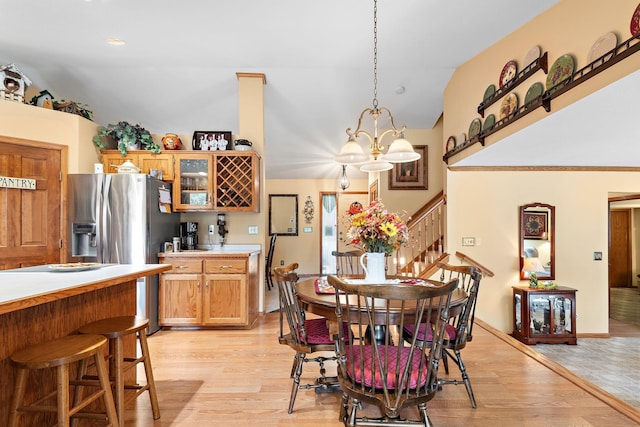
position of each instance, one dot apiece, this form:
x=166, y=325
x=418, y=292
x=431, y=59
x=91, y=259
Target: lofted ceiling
x=177, y=70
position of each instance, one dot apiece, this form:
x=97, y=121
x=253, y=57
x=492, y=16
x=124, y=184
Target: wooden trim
x=253, y=75
x=593, y=335
x=473, y=262
x=624, y=198
x=617, y=404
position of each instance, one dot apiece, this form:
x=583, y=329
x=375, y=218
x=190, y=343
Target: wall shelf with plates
x=539, y=63
x=599, y=64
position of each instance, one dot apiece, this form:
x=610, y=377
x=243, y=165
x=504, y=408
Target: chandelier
x=399, y=151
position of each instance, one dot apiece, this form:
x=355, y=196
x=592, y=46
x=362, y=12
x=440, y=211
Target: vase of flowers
x=377, y=232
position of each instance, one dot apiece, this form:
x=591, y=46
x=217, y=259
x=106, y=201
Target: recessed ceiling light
x=115, y=42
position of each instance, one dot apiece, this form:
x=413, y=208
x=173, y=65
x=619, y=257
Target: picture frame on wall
x=535, y=225
x=211, y=140
x=410, y=175
x=373, y=191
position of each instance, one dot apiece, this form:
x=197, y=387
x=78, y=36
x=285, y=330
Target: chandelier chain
x=375, y=54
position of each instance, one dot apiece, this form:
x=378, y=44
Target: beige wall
x=484, y=204
x=305, y=247
x=39, y=124
x=412, y=200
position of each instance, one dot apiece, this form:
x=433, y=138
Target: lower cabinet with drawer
x=209, y=291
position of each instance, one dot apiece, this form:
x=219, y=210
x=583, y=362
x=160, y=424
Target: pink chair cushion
x=318, y=331
x=449, y=329
x=353, y=359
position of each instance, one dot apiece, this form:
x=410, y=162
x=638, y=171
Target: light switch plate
x=468, y=241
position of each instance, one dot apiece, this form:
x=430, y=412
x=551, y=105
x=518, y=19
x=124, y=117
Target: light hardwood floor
x=241, y=378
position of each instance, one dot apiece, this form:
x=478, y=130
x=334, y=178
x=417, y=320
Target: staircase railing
x=427, y=231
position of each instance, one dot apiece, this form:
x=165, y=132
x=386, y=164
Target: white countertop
x=24, y=284
x=222, y=250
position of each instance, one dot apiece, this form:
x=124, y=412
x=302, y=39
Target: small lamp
x=343, y=179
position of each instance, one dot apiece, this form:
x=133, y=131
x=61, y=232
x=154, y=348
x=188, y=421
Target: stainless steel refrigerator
x=118, y=219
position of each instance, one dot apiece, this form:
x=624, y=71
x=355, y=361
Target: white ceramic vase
x=374, y=267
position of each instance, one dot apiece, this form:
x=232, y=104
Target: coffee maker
x=188, y=235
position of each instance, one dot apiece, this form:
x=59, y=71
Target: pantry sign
x=19, y=183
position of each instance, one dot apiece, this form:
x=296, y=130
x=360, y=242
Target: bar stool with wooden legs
x=61, y=353
x=115, y=329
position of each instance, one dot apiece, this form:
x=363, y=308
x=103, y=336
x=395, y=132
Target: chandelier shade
x=399, y=151
x=351, y=153
x=376, y=165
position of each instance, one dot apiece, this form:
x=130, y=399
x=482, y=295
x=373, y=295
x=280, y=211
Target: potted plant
x=128, y=137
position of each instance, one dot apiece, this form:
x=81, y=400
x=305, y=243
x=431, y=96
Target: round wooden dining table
x=324, y=304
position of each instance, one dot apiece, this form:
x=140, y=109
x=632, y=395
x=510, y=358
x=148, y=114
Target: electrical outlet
x=253, y=229
x=211, y=229
x=597, y=256
x=281, y=262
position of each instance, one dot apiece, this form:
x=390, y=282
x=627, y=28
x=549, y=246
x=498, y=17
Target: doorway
x=620, y=266
x=334, y=207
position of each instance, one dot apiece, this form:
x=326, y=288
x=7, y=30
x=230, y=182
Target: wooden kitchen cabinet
x=220, y=181
x=544, y=315
x=205, y=290
x=145, y=160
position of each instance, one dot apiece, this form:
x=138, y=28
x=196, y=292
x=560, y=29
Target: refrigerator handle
x=98, y=216
x=105, y=219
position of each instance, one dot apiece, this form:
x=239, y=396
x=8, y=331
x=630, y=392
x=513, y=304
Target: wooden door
x=180, y=299
x=619, y=248
x=225, y=300
x=30, y=232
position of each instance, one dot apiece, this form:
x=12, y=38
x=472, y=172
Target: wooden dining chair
x=460, y=325
x=381, y=379
x=305, y=336
x=348, y=262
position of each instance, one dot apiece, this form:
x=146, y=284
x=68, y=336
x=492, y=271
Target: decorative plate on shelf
x=475, y=127
x=561, y=70
x=451, y=143
x=509, y=72
x=509, y=105
x=634, y=27
x=491, y=90
x=532, y=55
x=489, y=122
x=604, y=44
x=535, y=91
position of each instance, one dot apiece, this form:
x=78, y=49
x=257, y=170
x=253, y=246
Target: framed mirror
x=283, y=214
x=537, y=241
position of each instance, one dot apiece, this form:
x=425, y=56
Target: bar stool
x=115, y=329
x=61, y=353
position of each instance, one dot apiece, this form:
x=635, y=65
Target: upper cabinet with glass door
x=223, y=181
x=192, y=189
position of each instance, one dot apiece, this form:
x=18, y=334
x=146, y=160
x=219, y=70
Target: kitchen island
x=42, y=303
